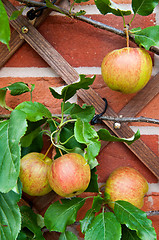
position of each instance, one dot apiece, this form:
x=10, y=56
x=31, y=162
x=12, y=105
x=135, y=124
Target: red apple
x=127, y=70
x=33, y=174
x=126, y=184
x=69, y=175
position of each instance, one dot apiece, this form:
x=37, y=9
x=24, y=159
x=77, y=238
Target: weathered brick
x=116, y=154
x=79, y=43
x=41, y=92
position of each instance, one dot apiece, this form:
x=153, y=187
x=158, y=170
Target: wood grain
x=69, y=75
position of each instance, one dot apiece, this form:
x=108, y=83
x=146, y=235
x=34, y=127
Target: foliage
x=70, y=133
x=23, y=133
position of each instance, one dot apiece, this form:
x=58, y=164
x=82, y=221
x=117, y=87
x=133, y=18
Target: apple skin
x=126, y=184
x=33, y=174
x=69, y=175
x=127, y=70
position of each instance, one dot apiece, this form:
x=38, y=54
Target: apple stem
x=126, y=29
x=60, y=152
x=48, y=151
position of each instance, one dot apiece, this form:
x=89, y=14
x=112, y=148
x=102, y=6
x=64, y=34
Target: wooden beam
x=69, y=75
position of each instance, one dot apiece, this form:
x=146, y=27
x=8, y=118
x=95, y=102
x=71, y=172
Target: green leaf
x=85, y=133
x=104, y=226
x=59, y=215
x=16, y=14
x=147, y=37
x=90, y=214
x=30, y=220
x=85, y=113
x=67, y=137
x=80, y=13
x=70, y=90
x=129, y=234
x=144, y=7
x=106, y=136
x=33, y=131
x=68, y=236
x=34, y=111
x=135, y=219
x=5, y=28
x=36, y=145
x=108, y=6
x=10, y=217
x=10, y=133
x=93, y=185
x=15, y=89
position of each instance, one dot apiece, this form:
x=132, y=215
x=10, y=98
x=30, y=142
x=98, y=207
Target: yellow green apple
x=126, y=184
x=33, y=174
x=127, y=70
x=69, y=175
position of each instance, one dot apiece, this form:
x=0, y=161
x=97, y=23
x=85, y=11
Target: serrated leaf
x=70, y=90
x=85, y=113
x=68, y=236
x=104, y=226
x=144, y=7
x=59, y=215
x=147, y=37
x=129, y=234
x=90, y=214
x=10, y=133
x=30, y=221
x=34, y=111
x=10, y=217
x=85, y=133
x=105, y=135
x=5, y=29
x=15, y=89
x=134, y=219
x=93, y=185
x=108, y=6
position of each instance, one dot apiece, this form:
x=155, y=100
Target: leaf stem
x=47, y=151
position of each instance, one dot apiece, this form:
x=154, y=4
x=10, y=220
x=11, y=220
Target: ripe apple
x=126, y=184
x=33, y=174
x=127, y=70
x=69, y=175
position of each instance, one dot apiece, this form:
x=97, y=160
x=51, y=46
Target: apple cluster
x=68, y=175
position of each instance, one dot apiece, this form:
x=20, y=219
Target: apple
x=69, y=175
x=127, y=70
x=126, y=184
x=33, y=174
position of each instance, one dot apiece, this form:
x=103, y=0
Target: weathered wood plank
x=16, y=41
x=69, y=75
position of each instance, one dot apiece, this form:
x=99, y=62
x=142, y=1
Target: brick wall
x=84, y=47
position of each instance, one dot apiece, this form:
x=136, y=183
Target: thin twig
x=130, y=119
x=107, y=118
x=87, y=20
x=152, y=213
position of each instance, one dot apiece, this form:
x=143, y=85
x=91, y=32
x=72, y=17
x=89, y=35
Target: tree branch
x=87, y=20
x=130, y=119
x=106, y=118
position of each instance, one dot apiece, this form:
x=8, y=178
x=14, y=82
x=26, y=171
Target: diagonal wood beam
x=69, y=75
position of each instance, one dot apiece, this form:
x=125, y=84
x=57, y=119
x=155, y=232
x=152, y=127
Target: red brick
x=41, y=92
x=155, y=223
x=79, y=43
x=115, y=155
